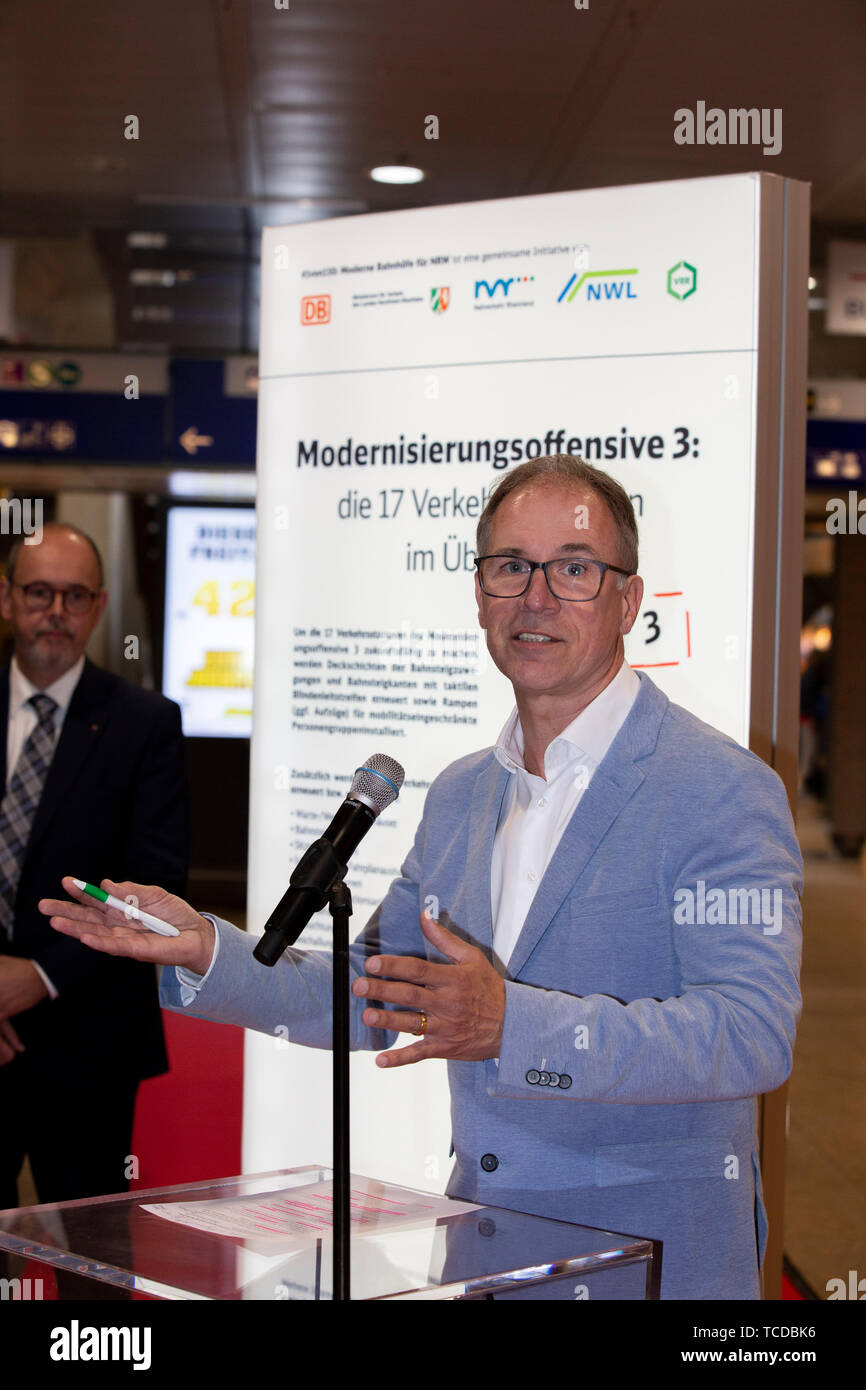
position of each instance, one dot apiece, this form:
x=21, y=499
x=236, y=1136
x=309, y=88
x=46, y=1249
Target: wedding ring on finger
x=422, y=1026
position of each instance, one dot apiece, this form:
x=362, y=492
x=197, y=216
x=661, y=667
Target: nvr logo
x=601, y=284
x=504, y=285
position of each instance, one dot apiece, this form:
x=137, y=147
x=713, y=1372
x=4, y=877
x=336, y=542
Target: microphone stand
x=319, y=868
x=340, y=907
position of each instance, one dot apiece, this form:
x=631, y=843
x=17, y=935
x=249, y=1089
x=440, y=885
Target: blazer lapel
x=613, y=784
x=84, y=722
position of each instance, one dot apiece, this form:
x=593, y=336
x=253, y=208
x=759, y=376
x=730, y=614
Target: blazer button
x=489, y=1162
x=486, y=1227
x=532, y=1077
x=564, y=1081
x=544, y=1078
x=554, y=1079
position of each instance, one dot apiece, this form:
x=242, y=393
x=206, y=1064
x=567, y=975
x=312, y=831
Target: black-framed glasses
x=38, y=597
x=576, y=580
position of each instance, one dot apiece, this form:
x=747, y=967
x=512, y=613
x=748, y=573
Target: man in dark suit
x=93, y=782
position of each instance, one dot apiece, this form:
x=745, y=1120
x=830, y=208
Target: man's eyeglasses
x=575, y=580
x=76, y=599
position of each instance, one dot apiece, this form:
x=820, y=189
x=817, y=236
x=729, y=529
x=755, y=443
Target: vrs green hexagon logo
x=682, y=280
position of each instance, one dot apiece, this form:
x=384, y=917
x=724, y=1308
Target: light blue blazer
x=651, y=997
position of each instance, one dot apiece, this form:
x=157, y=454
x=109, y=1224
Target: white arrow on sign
x=192, y=441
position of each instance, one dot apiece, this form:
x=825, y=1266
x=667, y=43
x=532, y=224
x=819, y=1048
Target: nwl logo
x=600, y=284
x=612, y=290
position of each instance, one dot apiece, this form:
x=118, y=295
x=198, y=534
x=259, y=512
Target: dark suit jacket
x=114, y=805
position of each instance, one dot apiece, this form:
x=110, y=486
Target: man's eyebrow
x=570, y=548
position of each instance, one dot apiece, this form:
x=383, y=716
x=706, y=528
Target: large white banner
x=407, y=359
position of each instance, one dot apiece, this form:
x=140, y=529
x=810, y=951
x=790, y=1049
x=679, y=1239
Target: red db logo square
x=315, y=308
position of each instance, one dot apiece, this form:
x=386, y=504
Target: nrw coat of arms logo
x=440, y=298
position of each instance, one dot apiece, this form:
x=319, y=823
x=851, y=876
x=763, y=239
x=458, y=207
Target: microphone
x=374, y=786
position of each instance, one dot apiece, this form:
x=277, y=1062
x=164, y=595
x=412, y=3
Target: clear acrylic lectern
x=419, y=1250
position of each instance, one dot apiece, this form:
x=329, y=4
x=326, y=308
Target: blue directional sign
x=95, y=407
x=110, y=407
x=83, y=426
x=206, y=423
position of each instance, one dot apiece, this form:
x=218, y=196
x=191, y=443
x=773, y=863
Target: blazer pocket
x=612, y=904
x=661, y=1161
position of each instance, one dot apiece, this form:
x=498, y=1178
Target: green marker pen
x=128, y=909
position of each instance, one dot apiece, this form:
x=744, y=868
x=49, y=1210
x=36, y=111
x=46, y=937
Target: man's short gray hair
x=567, y=468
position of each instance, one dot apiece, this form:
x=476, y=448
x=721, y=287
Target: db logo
x=315, y=308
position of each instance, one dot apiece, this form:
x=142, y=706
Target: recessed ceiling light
x=396, y=173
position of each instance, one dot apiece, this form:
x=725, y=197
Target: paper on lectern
x=290, y=1218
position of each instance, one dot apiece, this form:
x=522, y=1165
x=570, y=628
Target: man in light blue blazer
x=613, y=969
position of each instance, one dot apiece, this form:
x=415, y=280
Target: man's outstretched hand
x=464, y=1002
x=109, y=930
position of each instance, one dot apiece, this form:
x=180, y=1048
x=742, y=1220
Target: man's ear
x=632, y=596
x=5, y=598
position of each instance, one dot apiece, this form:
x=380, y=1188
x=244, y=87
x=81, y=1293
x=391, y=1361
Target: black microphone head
x=377, y=783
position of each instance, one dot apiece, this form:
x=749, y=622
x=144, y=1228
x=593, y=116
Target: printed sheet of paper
x=296, y=1216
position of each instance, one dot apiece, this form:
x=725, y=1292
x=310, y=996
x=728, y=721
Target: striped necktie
x=18, y=807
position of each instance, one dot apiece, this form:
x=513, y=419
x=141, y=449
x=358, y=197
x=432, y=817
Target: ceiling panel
x=252, y=115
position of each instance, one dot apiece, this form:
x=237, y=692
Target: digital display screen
x=209, y=618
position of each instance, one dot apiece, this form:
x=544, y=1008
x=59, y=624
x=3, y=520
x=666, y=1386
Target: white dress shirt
x=535, y=811
x=23, y=720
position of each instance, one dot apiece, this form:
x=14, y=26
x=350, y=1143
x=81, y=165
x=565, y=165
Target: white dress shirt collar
x=21, y=688
x=591, y=732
